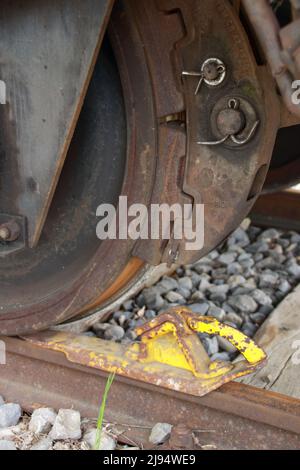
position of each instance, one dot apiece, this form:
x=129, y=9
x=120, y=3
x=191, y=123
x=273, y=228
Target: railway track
x=236, y=416
x=136, y=98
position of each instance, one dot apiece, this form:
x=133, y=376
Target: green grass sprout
x=102, y=411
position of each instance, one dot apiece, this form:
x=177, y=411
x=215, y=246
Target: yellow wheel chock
x=169, y=353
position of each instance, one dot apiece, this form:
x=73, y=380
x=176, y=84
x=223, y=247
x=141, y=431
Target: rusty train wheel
x=112, y=153
x=133, y=138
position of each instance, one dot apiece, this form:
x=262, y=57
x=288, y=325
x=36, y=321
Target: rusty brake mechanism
x=219, y=119
x=169, y=353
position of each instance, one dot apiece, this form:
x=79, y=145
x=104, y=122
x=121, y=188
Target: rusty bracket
x=217, y=183
x=169, y=353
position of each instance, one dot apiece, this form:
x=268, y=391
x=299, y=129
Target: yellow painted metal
x=175, y=344
x=179, y=326
x=246, y=346
x=169, y=353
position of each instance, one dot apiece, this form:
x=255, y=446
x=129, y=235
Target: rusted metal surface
x=281, y=47
x=169, y=353
x=279, y=210
x=236, y=416
x=49, y=51
x=181, y=438
x=230, y=121
x=114, y=358
x=224, y=179
x=182, y=325
x=78, y=289
x=213, y=175
x=153, y=43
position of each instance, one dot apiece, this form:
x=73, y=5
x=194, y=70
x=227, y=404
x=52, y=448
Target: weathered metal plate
x=116, y=358
x=48, y=50
x=32, y=278
x=87, y=270
x=225, y=179
x=151, y=42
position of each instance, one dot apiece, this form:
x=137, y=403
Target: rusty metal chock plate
x=169, y=353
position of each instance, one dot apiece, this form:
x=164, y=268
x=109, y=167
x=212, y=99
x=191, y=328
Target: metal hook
x=195, y=74
x=234, y=138
x=233, y=103
x=217, y=142
x=244, y=141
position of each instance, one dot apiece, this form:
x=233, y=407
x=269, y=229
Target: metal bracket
x=226, y=179
x=169, y=354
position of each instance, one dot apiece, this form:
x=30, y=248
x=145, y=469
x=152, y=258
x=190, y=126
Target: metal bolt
x=10, y=231
x=213, y=73
x=230, y=122
x=181, y=437
x=4, y=233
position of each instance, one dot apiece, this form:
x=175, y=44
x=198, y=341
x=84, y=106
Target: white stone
x=66, y=426
x=10, y=433
x=7, y=445
x=9, y=415
x=106, y=441
x=160, y=433
x=43, y=444
x=42, y=420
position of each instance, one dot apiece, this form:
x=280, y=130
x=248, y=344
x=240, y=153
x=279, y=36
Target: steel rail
x=234, y=417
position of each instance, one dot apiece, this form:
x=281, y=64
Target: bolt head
x=211, y=71
x=4, y=233
x=10, y=231
x=230, y=122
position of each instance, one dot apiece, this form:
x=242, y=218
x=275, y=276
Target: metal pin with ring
x=231, y=122
x=213, y=73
